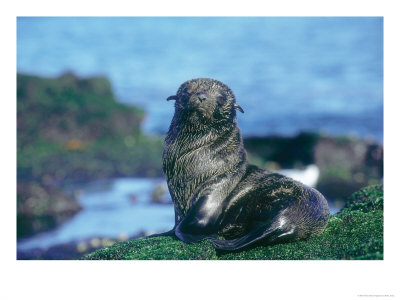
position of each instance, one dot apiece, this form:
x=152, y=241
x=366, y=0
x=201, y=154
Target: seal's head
x=206, y=100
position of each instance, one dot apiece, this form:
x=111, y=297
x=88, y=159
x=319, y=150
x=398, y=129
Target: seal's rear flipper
x=268, y=235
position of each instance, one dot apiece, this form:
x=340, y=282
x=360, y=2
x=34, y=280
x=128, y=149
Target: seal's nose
x=201, y=97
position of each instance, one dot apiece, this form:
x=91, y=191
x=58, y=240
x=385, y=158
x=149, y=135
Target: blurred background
x=91, y=114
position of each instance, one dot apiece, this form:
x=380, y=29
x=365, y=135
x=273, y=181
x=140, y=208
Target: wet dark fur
x=216, y=192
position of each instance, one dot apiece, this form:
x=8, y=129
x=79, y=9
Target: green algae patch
x=356, y=233
x=160, y=248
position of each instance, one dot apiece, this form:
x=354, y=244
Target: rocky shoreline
x=345, y=164
x=356, y=232
x=73, y=250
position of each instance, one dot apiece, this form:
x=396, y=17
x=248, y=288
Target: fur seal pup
x=216, y=192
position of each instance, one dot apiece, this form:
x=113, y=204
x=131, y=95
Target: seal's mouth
x=201, y=109
x=196, y=110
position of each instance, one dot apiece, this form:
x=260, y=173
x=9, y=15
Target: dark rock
x=346, y=164
x=132, y=198
x=288, y=152
x=40, y=208
x=160, y=195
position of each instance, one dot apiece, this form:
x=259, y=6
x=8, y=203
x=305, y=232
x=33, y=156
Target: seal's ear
x=174, y=97
x=237, y=106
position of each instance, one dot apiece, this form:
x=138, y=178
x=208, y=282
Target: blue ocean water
x=289, y=74
x=109, y=212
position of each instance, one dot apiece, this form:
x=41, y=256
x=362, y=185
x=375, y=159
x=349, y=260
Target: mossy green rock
x=356, y=232
x=73, y=129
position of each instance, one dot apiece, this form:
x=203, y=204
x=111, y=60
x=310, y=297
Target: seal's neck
x=191, y=135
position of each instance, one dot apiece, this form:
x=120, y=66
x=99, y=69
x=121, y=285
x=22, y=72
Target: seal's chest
x=186, y=174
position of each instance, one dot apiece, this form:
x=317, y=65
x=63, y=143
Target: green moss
x=72, y=128
x=354, y=233
x=370, y=197
x=166, y=248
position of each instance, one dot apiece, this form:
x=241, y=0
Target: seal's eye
x=221, y=100
x=185, y=95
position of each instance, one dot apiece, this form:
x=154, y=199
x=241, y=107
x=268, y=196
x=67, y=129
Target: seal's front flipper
x=167, y=233
x=193, y=238
x=268, y=235
x=199, y=223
